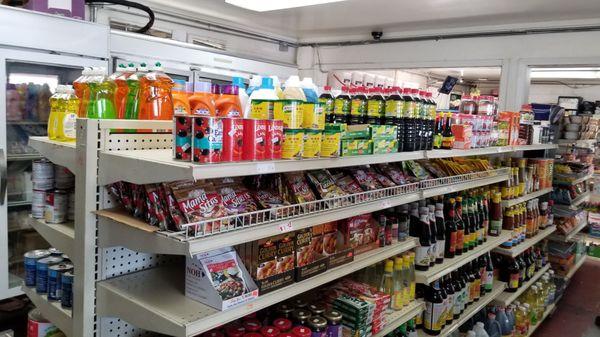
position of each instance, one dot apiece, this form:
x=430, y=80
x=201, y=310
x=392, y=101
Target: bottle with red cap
x=394, y=111
x=301, y=331
x=326, y=100
x=341, y=106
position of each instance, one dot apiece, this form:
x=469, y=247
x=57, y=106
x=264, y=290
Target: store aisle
x=579, y=306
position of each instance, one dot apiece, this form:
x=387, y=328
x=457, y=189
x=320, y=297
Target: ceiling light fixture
x=273, y=5
x=566, y=74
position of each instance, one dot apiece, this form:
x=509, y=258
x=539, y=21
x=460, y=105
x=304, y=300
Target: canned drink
x=274, y=138
x=63, y=178
x=290, y=112
x=312, y=143
x=66, y=258
x=255, y=132
x=208, y=139
x=182, y=135
x=55, y=252
x=30, y=260
x=233, y=139
x=42, y=174
x=67, y=290
x=57, y=203
x=55, y=280
x=71, y=207
x=38, y=204
x=293, y=142
x=38, y=326
x=41, y=272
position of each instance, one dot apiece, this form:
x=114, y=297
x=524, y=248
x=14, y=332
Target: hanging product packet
x=199, y=201
x=324, y=184
x=299, y=188
x=365, y=179
x=237, y=199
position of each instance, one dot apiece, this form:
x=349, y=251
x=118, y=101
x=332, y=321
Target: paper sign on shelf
x=285, y=227
x=265, y=167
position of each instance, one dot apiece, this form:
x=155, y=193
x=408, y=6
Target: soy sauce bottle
x=434, y=307
x=418, y=113
x=375, y=107
x=439, y=127
x=460, y=226
x=431, y=118
x=409, y=118
x=427, y=132
x=394, y=111
x=341, y=106
x=326, y=100
x=358, y=105
x=450, y=224
x=422, y=251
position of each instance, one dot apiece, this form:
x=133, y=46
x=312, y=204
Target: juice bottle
x=82, y=91
x=155, y=93
x=56, y=105
x=242, y=95
x=202, y=101
x=67, y=116
x=120, y=79
x=132, y=104
x=181, y=102
x=102, y=97
x=228, y=104
x=326, y=100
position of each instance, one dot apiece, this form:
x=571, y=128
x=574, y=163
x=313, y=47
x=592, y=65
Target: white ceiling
x=468, y=74
x=357, y=18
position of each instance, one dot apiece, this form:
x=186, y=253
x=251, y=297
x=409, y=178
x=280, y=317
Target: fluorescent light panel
x=566, y=74
x=273, y=5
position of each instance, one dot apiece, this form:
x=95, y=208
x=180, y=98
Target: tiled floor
x=577, y=310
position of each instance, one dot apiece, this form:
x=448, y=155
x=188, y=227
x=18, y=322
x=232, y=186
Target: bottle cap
x=327, y=88
x=120, y=67
x=142, y=67
x=229, y=90
x=157, y=67
x=202, y=87
x=267, y=83
x=238, y=82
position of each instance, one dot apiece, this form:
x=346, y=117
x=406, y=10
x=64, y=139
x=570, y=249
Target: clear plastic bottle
x=397, y=300
x=540, y=300
x=120, y=79
x=521, y=322
x=67, y=116
x=505, y=327
x=102, y=96
x=132, y=103
x=82, y=91
x=387, y=279
x=155, y=93
x=56, y=106
x=492, y=326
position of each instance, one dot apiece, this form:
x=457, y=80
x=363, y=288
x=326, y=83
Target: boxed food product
x=356, y=147
x=357, y=131
x=462, y=136
x=385, y=145
x=359, y=232
x=218, y=279
x=310, y=260
x=384, y=131
x=331, y=143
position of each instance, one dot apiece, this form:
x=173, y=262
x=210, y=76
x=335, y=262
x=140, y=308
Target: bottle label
x=531, y=270
x=422, y=256
x=457, y=303
x=432, y=250
x=433, y=316
x=341, y=106
x=439, y=249
x=258, y=110
x=447, y=142
x=357, y=107
x=374, y=108
x=397, y=299
x=460, y=234
x=513, y=282
x=495, y=227
x=68, y=122
x=476, y=288
x=452, y=243
x=327, y=104
x=393, y=108
x=489, y=280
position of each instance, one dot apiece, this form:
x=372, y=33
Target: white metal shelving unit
x=576, y=267
x=523, y=246
x=60, y=236
x=571, y=234
x=53, y=311
x=397, y=318
x=529, y=196
x=60, y=153
x=583, y=197
x=505, y=298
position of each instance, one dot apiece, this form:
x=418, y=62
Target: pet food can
x=233, y=139
x=208, y=139
x=66, y=283
x=293, y=141
x=312, y=143
x=255, y=132
x=274, y=137
x=289, y=112
x=63, y=178
x=55, y=252
x=55, y=280
x=30, y=259
x=57, y=203
x=182, y=136
x=38, y=204
x=42, y=175
x=41, y=272
x=38, y=326
x=66, y=258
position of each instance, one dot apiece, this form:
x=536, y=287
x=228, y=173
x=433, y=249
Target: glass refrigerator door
x=29, y=81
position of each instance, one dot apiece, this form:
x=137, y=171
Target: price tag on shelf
x=285, y=227
x=386, y=204
x=265, y=167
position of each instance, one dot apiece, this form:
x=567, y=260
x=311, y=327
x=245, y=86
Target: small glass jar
x=283, y=324
x=318, y=326
x=299, y=303
x=301, y=316
x=285, y=310
x=235, y=330
x=301, y=331
x=252, y=325
x=269, y=331
x=334, y=320
x=317, y=309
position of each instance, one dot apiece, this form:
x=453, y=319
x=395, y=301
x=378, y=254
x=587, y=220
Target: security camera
x=376, y=35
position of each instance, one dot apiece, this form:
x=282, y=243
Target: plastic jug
x=479, y=330
x=242, y=95
x=82, y=91
x=492, y=326
x=228, y=103
x=310, y=90
x=156, y=100
x=261, y=100
x=255, y=83
x=505, y=327
x=102, y=99
x=67, y=116
x=471, y=333
x=132, y=105
x=56, y=105
x=277, y=86
x=120, y=79
x=181, y=101
x=293, y=89
x=202, y=101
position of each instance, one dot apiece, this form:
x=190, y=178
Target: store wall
x=513, y=53
x=548, y=93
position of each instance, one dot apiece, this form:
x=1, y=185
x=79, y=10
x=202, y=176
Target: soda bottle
x=102, y=96
x=82, y=91
x=120, y=79
x=155, y=95
x=68, y=116
x=56, y=106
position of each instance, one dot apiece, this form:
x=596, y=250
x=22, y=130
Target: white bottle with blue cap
x=243, y=96
x=262, y=99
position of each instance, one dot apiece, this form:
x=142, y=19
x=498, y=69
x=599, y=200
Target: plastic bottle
x=480, y=330
x=387, y=279
x=255, y=82
x=181, y=101
x=540, y=302
x=397, y=299
x=82, y=91
x=120, y=79
x=277, y=86
x=358, y=106
x=228, y=103
x=202, y=101
x=521, y=322
x=505, y=327
x=92, y=83
x=341, y=106
x=56, y=106
x=242, y=95
x=132, y=103
x=492, y=326
x=510, y=314
x=155, y=95
x=293, y=89
x=375, y=106
x=102, y=97
x=262, y=100
x=326, y=100
x=67, y=116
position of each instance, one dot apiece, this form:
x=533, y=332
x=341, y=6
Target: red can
x=301, y=331
x=235, y=330
x=255, y=132
x=182, y=135
x=208, y=139
x=269, y=331
x=233, y=139
x=283, y=324
x=252, y=325
x=274, y=139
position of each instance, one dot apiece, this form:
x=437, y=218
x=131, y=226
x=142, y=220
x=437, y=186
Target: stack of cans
x=52, y=192
x=50, y=272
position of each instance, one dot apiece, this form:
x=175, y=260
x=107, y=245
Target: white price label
x=265, y=167
x=386, y=204
x=285, y=227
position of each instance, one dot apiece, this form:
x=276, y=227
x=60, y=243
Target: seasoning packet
x=175, y=213
x=324, y=184
x=225, y=275
x=299, y=188
x=157, y=212
x=200, y=201
x=364, y=178
x=393, y=172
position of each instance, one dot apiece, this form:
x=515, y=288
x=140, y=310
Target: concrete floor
x=577, y=310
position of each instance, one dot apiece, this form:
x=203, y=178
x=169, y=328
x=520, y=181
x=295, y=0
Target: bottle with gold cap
x=397, y=300
x=387, y=279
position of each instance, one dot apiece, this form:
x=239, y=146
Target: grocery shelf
x=535, y=147
x=576, y=267
x=60, y=236
x=583, y=143
x=26, y=122
x=578, y=200
x=154, y=299
x=470, y=311
x=60, y=153
x=529, y=196
x=397, y=318
x=506, y=298
x=52, y=311
x=454, y=263
x=549, y=310
x=451, y=188
x=23, y=157
x=19, y=203
x=571, y=234
x=576, y=181
x=523, y=246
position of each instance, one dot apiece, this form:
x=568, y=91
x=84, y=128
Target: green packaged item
x=336, y=127
x=384, y=131
x=384, y=145
x=358, y=131
x=356, y=147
